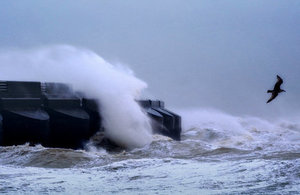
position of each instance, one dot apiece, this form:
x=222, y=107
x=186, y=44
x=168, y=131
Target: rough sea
x=218, y=154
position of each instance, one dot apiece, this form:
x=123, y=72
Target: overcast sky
x=215, y=53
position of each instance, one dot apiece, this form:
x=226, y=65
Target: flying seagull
x=276, y=89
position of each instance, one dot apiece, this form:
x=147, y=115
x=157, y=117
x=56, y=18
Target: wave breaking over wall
x=114, y=86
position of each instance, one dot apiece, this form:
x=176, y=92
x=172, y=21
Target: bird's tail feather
x=270, y=91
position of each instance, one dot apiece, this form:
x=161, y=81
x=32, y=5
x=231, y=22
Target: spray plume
x=115, y=87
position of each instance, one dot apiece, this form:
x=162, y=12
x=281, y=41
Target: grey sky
x=214, y=53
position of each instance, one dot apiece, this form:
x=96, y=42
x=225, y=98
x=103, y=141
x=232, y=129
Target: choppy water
x=218, y=154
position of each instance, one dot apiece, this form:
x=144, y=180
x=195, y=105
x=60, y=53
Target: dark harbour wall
x=53, y=115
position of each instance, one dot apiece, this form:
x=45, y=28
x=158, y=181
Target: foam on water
x=218, y=153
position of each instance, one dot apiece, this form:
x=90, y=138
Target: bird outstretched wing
x=279, y=79
x=278, y=83
x=274, y=95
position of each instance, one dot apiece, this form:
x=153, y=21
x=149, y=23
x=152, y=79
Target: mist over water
x=219, y=129
x=115, y=87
